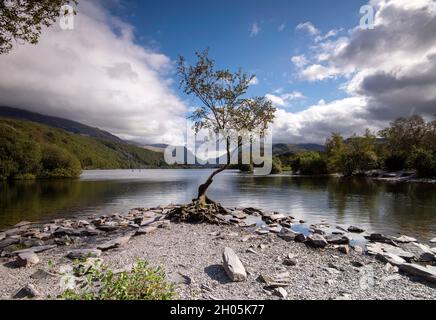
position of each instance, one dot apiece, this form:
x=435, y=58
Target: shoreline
x=320, y=265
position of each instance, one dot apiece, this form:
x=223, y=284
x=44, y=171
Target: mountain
x=280, y=149
x=60, y=123
x=93, y=153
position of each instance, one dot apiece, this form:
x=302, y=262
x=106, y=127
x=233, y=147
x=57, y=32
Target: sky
x=323, y=71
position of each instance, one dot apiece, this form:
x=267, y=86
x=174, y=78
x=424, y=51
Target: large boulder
x=27, y=259
x=317, y=241
x=422, y=252
x=427, y=273
x=382, y=248
x=233, y=266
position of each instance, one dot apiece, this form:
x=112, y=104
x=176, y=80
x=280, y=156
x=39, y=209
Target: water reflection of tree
x=346, y=192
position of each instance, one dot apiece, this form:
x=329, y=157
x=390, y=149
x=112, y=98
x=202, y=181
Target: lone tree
x=22, y=20
x=223, y=107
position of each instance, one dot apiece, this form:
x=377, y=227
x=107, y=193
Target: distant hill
x=93, y=153
x=60, y=123
x=281, y=149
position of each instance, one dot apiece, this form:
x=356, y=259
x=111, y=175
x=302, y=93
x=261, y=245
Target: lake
x=390, y=208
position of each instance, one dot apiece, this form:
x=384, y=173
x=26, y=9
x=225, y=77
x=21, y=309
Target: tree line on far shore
x=407, y=144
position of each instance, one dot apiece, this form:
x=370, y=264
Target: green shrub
x=59, y=163
x=309, y=163
x=142, y=283
x=425, y=163
x=18, y=155
x=276, y=166
x=395, y=163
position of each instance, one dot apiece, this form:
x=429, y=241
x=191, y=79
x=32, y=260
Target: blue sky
x=182, y=27
x=313, y=60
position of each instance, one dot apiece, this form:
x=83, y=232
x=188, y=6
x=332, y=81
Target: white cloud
x=284, y=99
x=97, y=75
x=299, y=61
x=281, y=27
x=318, y=72
x=309, y=27
x=255, y=30
x=388, y=72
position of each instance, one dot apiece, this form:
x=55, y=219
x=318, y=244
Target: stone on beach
x=317, y=241
x=405, y=239
x=145, y=230
x=355, y=229
x=116, y=243
x=338, y=239
x=381, y=248
x=287, y=235
x=233, y=266
x=26, y=259
x=29, y=291
x=36, y=249
x=427, y=273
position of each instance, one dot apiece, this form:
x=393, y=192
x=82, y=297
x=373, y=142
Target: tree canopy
x=22, y=20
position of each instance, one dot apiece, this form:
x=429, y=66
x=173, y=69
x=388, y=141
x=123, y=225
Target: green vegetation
x=309, y=163
x=102, y=283
x=29, y=150
x=407, y=144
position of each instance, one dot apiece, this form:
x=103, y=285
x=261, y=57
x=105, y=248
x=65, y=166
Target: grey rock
x=287, y=235
x=422, y=252
x=355, y=229
x=37, y=249
x=317, y=241
x=345, y=249
x=377, y=237
x=145, y=230
x=278, y=217
x=433, y=240
x=389, y=268
x=300, y=238
x=381, y=248
x=338, y=239
x=180, y=278
x=390, y=258
x=107, y=227
x=29, y=291
x=2, y=236
x=89, y=232
x=427, y=273
x=116, y=243
x=8, y=242
x=239, y=214
x=262, y=231
x=27, y=259
x=81, y=254
x=280, y=280
x=23, y=224
x=233, y=266
x=281, y=292
x=404, y=239
x=289, y=262
x=60, y=232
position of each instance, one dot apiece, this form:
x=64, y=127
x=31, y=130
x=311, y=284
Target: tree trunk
x=202, y=190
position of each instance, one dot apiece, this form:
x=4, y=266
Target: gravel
x=191, y=255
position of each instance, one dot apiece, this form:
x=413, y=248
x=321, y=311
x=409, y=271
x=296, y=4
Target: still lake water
x=390, y=208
